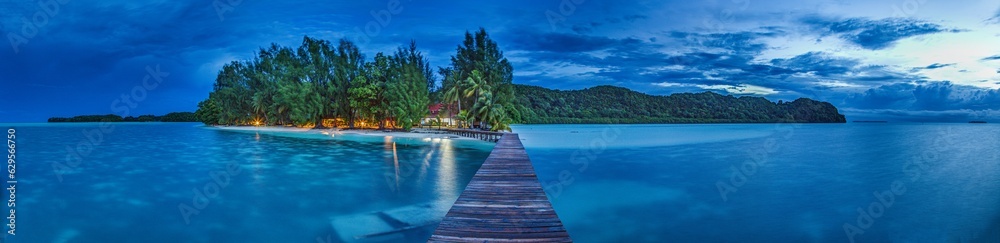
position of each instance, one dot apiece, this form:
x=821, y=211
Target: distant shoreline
x=169, y=117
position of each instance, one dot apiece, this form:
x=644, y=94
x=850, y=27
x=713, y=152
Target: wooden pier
x=504, y=202
x=477, y=134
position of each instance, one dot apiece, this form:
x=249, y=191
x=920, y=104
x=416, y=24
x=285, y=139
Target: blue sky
x=901, y=60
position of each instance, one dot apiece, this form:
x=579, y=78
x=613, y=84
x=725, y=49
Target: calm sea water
x=133, y=183
x=608, y=183
x=771, y=183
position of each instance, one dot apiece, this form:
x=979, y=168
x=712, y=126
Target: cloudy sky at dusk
x=900, y=60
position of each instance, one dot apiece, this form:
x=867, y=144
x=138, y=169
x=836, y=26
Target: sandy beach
x=418, y=133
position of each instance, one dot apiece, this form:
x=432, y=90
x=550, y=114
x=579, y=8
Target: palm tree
x=490, y=108
x=453, y=89
x=477, y=86
x=463, y=116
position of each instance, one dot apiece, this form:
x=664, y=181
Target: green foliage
x=408, y=87
x=348, y=72
x=481, y=80
x=179, y=117
x=89, y=118
x=317, y=81
x=169, y=117
x=609, y=104
x=208, y=112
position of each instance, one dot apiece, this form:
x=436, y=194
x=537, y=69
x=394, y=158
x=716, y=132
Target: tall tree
x=452, y=89
x=408, y=88
x=348, y=74
x=317, y=65
x=480, y=63
x=368, y=94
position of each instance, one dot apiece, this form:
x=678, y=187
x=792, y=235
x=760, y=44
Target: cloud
x=651, y=46
x=991, y=58
x=995, y=19
x=873, y=34
x=936, y=66
x=737, y=42
x=818, y=63
x=929, y=96
x=939, y=65
x=738, y=89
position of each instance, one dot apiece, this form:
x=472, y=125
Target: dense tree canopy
x=480, y=81
x=609, y=104
x=319, y=82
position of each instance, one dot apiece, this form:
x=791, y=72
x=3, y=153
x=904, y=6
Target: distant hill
x=611, y=104
x=169, y=117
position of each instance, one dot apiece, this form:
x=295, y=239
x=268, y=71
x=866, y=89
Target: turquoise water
x=771, y=183
x=608, y=183
x=136, y=180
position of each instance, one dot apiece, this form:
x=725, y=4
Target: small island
x=169, y=117
x=322, y=84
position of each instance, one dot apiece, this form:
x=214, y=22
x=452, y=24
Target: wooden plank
x=504, y=202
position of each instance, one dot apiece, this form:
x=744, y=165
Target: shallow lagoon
x=286, y=187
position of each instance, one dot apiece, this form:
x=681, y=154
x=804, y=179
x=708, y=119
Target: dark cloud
x=818, y=63
x=930, y=96
x=995, y=19
x=718, y=59
x=991, y=58
x=936, y=66
x=873, y=34
x=939, y=65
x=738, y=42
x=585, y=28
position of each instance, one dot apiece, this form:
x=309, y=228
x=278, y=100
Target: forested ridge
x=611, y=104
